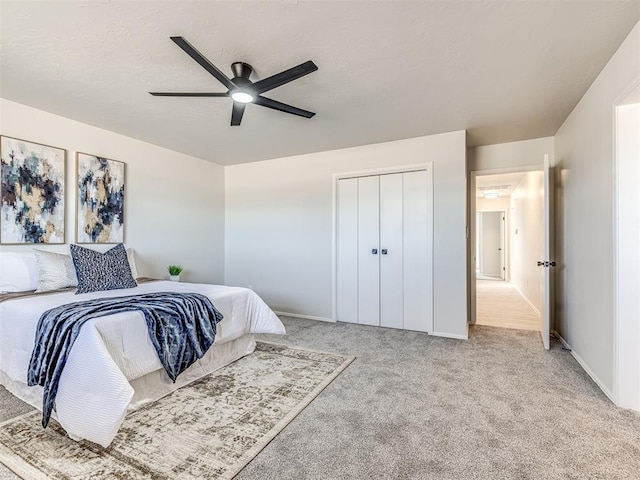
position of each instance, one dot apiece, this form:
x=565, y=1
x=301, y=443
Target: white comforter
x=112, y=351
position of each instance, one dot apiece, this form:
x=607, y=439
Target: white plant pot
x=174, y=278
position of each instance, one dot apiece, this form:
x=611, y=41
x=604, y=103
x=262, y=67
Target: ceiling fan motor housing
x=241, y=73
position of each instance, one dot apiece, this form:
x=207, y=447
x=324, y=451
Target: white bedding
x=113, y=352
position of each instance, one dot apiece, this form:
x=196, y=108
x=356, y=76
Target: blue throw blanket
x=182, y=327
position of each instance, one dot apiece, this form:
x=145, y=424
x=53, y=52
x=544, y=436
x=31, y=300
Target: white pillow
x=55, y=271
x=132, y=263
x=18, y=272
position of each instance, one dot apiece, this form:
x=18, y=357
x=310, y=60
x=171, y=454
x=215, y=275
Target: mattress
x=113, y=367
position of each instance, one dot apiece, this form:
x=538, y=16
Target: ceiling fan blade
x=283, y=107
x=206, y=64
x=236, y=113
x=187, y=94
x=287, y=76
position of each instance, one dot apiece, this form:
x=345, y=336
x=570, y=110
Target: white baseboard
x=306, y=317
x=585, y=367
x=537, y=312
x=326, y=319
x=450, y=335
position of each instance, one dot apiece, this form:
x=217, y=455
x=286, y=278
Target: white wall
x=526, y=237
x=513, y=155
x=584, y=147
x=174, y=203
x=493, y=204
x=279, y=224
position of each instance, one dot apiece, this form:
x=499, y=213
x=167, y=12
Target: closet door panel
x=418, y=247
x=368, y=241
x=391, y=246
x=347, y=274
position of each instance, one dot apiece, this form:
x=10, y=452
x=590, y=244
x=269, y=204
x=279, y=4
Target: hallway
x=500, y=305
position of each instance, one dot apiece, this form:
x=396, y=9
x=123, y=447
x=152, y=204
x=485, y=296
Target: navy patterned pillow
x=102, y=271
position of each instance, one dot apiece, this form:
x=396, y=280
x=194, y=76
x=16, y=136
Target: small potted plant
x=174, y=272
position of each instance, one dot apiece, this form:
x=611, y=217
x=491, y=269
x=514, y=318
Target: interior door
x=473, y=253
x=347, y=269
x=548, y=263
x=391, y=257
x=490, y=234
x=369, y=250
x=418, y=250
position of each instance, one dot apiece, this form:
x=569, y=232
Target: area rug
x=209, y=429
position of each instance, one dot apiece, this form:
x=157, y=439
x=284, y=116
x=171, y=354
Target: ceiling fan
x=240, y=88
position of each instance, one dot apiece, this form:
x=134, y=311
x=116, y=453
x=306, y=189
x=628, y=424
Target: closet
x=385, y=251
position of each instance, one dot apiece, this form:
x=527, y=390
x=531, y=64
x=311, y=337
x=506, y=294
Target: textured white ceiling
x=503, y=70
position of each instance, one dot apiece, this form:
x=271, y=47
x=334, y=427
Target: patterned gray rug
x=209, y=429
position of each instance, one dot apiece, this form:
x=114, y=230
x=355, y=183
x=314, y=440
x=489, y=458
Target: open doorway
x=509, y=233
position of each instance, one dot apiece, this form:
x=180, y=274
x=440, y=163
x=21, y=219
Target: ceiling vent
x=496, y=187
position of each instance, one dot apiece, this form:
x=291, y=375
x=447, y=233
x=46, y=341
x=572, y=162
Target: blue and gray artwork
x=32, y=192
x=100, y=200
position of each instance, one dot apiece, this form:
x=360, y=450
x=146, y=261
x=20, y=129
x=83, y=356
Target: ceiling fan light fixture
x=240, y=88
x=242, y=96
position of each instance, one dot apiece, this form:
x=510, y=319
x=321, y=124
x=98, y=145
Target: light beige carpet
x=209, y=429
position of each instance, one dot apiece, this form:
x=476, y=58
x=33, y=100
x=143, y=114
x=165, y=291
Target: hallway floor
x=500, y=305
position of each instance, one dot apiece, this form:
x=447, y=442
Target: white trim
x=497, y=171
x=430, y=247
x=414, y=167
x=450, y=335
x=306, y=317
x=621, y=356
x=584, y=366
x=524, y=297
x=334, y=249
x=472, y=261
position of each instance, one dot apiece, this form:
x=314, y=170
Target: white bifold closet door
x=418, y=251
x=368, y=246
x=347, y=251
x=384, y=257
x=391, y=255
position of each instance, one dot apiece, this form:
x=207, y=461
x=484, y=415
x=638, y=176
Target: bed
x=113, y=367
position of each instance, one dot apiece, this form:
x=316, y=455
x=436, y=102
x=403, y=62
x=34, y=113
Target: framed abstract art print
x=32, y=208
x=100, y=202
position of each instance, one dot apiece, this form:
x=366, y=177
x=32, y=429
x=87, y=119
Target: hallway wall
x=526, y=238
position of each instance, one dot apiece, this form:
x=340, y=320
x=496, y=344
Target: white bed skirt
x=154, y=385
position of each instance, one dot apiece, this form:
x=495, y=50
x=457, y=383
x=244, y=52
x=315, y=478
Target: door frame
x=503, y=245
x=334, y=227
x=471, y=244
x=548, y=310
x=626, y=362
